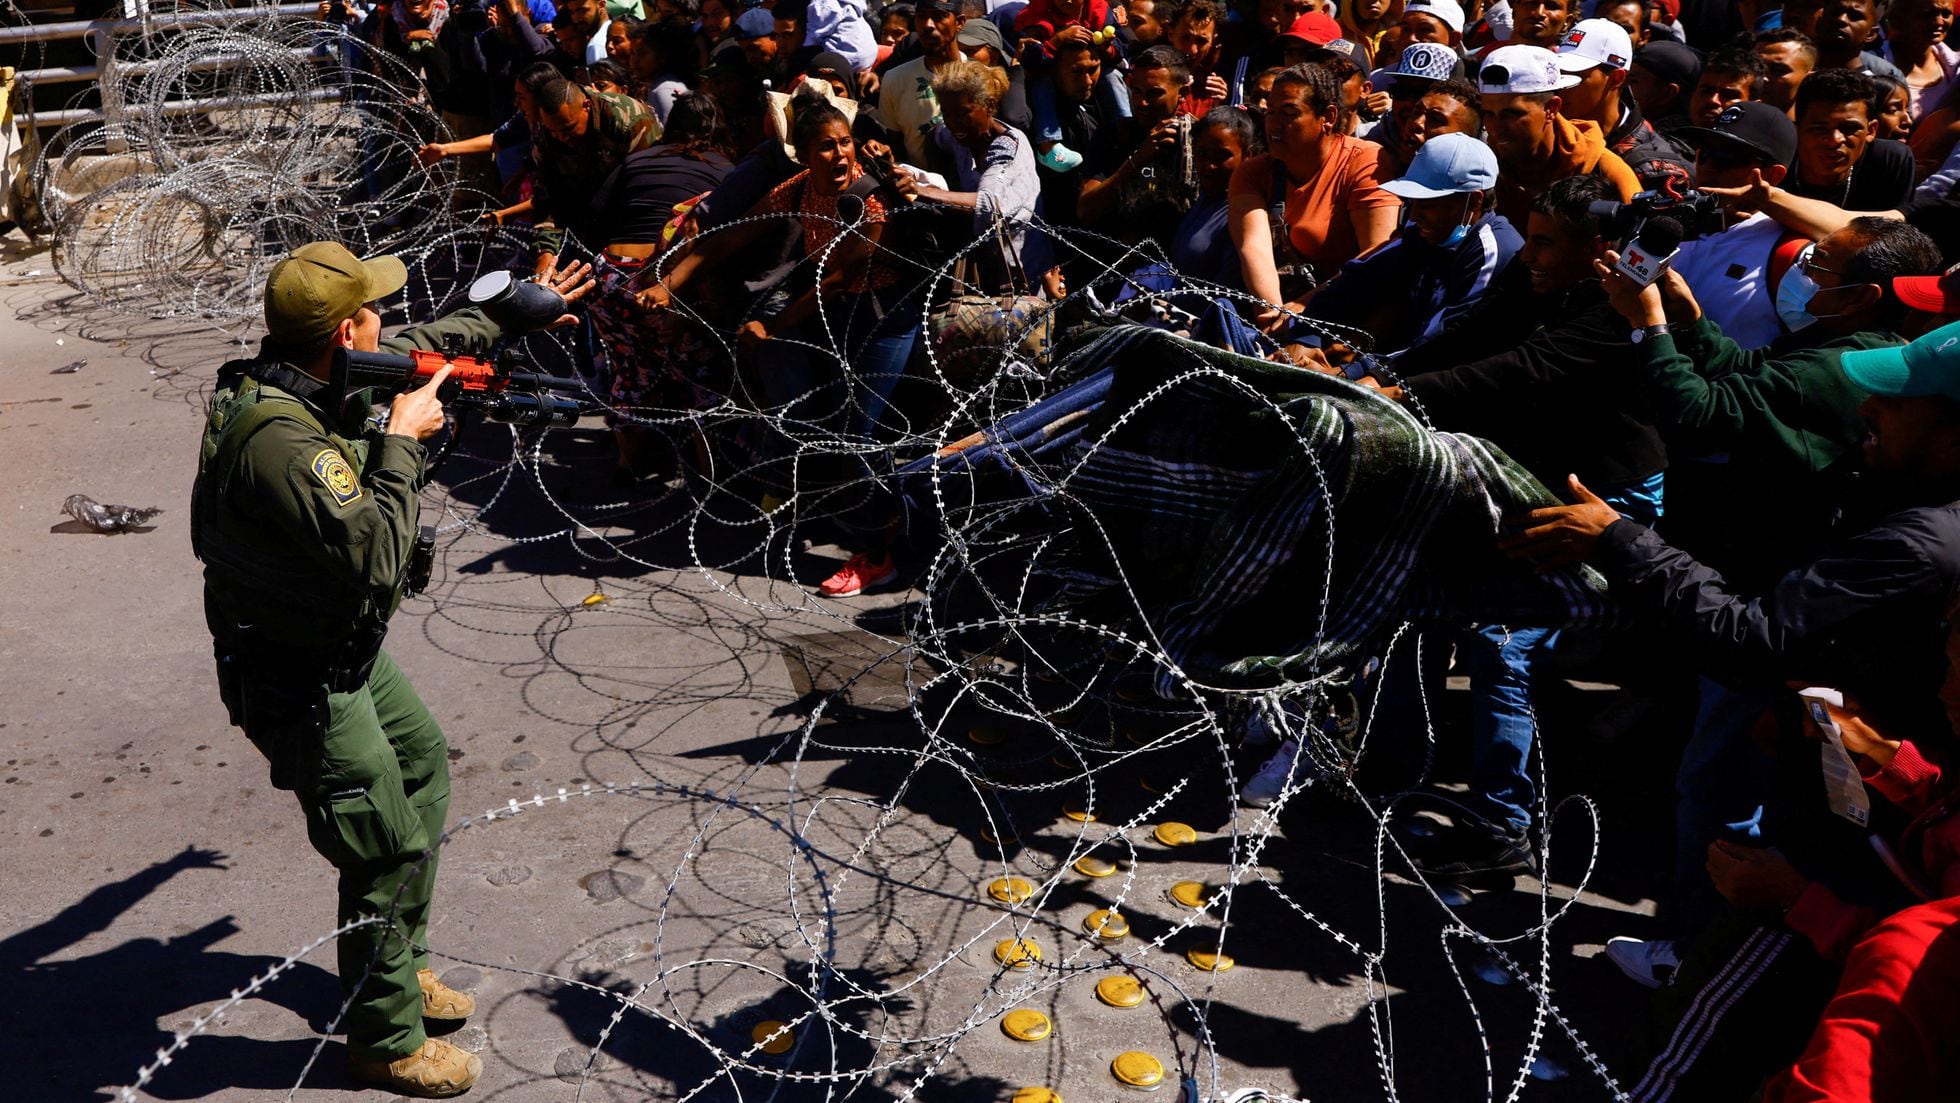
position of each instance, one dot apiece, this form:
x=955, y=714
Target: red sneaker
x=859, y=574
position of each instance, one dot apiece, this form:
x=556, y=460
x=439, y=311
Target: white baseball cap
x=1498, y=17
x=1594, y=42
x=1449, y=11
x=1522, y=70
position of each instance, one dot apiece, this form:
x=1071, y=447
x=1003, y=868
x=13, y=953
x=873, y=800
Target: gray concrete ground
x=151, y=871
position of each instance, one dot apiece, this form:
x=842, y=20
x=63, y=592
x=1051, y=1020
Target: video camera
x=1697, y=213
x=1651, y=226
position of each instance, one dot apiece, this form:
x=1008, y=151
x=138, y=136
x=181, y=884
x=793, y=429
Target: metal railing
x=101, y=35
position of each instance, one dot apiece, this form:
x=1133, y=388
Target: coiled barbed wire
x=175, y=211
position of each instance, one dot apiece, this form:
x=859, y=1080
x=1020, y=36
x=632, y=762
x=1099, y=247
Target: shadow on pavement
x=78, y=1028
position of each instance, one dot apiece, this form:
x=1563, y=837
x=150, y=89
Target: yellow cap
x=1036, y=1094
x=1210, y=961
x=593, y=599
x=1079, y=815
x=1091, y=866
x=986, y=735
x=1010, y=890
x=1121, y=990
x=988, y=834
x=318, y=286
x=778, y=1044
x=1021, y=953
x=1172, y=833
x=1190, y=894
x=1025, y=1024
x=1138, y=1069
x=1106, y=923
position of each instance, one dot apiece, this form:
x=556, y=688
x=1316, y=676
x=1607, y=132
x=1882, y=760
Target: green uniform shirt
x=306, y=525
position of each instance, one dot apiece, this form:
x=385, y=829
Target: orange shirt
x=1318, y=211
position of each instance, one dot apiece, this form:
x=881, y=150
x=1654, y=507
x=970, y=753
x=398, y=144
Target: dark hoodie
x=1658, y=162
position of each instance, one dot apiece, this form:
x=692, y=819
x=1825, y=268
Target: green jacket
x=1785, y=423
x=306, y=518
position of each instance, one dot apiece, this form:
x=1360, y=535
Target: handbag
x=974, y=333
x=1295, y=272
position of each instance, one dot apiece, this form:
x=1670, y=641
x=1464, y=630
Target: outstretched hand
x=1560, y=536
x=1746, y=199
x=197, y=857
x=572, y=283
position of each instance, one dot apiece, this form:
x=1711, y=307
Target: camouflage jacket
x=569, y=175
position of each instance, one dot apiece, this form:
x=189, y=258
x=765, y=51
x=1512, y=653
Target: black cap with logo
x=1765, y=130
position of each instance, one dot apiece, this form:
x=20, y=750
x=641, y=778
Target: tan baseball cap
x=321, y=285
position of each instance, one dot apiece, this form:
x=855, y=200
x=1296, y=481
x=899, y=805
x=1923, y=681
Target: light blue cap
x=756, y=23
x=1448, y=164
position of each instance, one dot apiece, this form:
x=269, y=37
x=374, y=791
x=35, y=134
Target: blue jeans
x=837, y=396
x=1502, y=723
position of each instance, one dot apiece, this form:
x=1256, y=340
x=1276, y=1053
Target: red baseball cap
x=1314, y=28
x=1933, y=294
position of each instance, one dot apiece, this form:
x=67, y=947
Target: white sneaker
x=1649, y=964
x=1271, y=780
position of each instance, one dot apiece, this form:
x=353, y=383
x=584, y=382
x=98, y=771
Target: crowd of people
x=1758, y=447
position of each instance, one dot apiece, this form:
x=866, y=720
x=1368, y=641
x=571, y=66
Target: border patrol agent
x=305, y=518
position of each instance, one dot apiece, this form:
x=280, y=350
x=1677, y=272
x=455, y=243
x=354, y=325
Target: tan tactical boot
x=441, y=1002
x=436, y=1071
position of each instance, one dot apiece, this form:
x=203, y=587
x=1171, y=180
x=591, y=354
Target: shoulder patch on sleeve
x=336, y=476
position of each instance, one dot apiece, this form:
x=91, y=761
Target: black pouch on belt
x=287, y=722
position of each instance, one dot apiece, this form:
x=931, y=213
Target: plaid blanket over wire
x=1279, y=524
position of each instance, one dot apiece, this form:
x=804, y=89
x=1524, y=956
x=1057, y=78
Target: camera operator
x=1865, y=616
x=1786, y=422
x=305, y=517
x=1731, y=271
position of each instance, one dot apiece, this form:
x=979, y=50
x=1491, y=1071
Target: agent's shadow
x=79, y=1028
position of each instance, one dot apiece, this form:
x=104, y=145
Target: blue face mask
x=1455, y=237
x=1793, y=296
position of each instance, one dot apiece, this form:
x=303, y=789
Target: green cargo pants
x=375, y=790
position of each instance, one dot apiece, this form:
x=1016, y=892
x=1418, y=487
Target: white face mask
x=1794, y=295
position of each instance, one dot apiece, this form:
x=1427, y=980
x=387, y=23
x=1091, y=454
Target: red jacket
x=1889, y=1035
